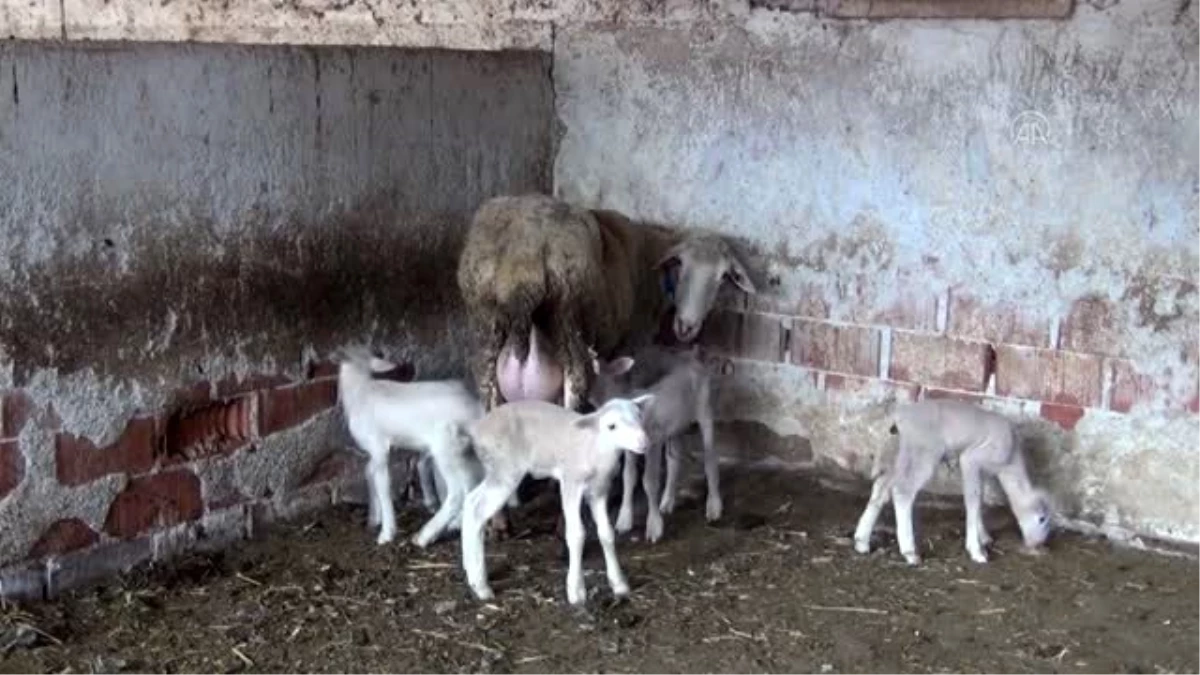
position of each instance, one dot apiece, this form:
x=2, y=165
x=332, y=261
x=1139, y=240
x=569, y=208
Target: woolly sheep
x=682, y=388
x=984, y=442
x=423, y=416
x=587, y=278
x=548, y=441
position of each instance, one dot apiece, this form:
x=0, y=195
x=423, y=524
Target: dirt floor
x=776, y=587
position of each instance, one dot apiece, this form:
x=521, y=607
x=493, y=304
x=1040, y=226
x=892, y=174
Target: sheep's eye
x=612, y=426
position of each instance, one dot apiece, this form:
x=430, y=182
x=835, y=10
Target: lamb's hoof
x=624, y=520
x=621, y=590
x=431, y=506
x=385, y=537
x=712, y=510
x=862, y=545
x=423, y=539
x=654, y=529
x=912, y=558
x=667, y=506
x=978, y=556
x=482, y=592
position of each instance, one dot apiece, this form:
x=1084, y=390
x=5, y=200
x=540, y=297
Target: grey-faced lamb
x=984, y=442
x=422, y=416
x=586, y=278
x=681, y=386
x=545, y=440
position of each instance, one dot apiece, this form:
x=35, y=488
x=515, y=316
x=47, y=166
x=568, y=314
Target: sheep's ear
x=587, y=422
x=737, y=274
x=671, y=255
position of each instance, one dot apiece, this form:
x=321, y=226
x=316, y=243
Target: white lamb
x=985, y=443
x=548, y=441
x=682, y=390
x=422, y=416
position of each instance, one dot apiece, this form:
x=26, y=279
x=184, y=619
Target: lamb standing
x=584, y=278
x=548, y=441
x=682, y=389
x=423, y=416
x=985, y=443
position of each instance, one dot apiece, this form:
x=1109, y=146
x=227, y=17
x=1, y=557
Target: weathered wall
x=187, y=232
x=1003, y=211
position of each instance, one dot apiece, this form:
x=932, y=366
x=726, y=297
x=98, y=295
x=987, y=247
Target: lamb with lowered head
x=985, y=442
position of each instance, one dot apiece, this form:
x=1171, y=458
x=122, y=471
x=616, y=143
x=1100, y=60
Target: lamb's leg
x=429, y=493
x=480, y=504
x=572, y=496
x=450, y=462
x=712, y=471
x=372, y=498
x=914, y=469
x=972, y=487
x=881, y=494
x=651, y=478
x=598, y=504
x=380, y=480
x=629, y=485
x=667, y=505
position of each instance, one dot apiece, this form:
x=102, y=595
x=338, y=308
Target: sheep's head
x=696, y=268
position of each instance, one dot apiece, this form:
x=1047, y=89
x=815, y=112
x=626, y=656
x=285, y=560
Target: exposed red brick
x=1004, y=323
x=216, y=429
x=153, y=502
x=1049, y=375
x=281, y=409
x=1129, y=387
x=12, y=466
x=1065, y=416
x=78, y=461
x=1091, y=327
x=939, y=361
x=196, y=394
x=18, y=408
x=855, y=384
x=836, y=348
x=332, y=466
x=933, y=393
x=232, y=386
x=914, y=310
x=63, y=536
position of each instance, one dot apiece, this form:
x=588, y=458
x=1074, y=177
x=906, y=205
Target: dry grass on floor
x=776, y=587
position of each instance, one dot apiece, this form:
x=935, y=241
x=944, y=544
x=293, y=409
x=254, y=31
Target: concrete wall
x=187, y=232
x=1000, y=211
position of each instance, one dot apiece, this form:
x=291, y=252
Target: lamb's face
x=698, y=267
x=1034, y=521
x=619, y=423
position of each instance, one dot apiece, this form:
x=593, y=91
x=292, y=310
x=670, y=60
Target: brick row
x=951, y=362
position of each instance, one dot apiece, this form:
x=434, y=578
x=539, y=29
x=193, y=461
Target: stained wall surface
x=188, y=233
x=1003, y=211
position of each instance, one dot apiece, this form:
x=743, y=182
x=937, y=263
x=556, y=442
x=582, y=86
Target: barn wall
x=187, y=234
x=1003, y=211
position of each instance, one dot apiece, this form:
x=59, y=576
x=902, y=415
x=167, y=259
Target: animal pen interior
x=986, y=200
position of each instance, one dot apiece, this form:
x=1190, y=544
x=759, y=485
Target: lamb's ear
x=643, y=401
x=619, y=366
x=587, y=422
x=737, y=274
